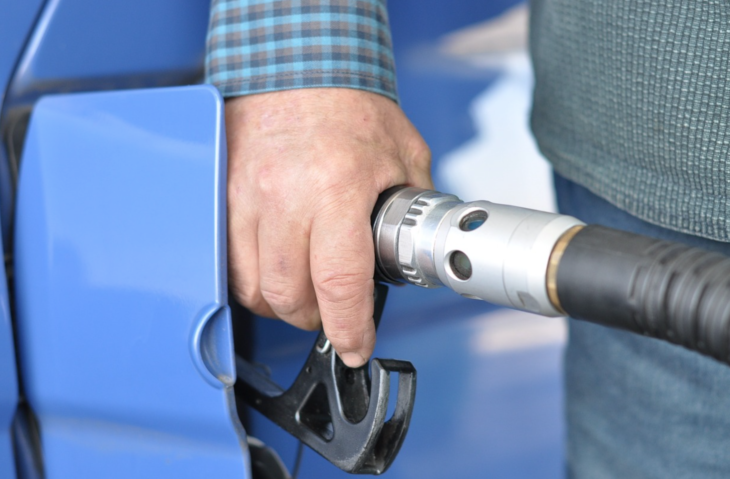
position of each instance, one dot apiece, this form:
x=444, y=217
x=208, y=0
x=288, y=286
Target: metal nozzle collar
x=404, y=234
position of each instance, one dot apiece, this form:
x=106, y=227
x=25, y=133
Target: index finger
x=342, y=264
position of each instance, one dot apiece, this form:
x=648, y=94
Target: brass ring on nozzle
x=551, y=276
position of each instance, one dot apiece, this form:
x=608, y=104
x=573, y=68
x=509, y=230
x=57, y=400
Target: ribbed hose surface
x=658, y=288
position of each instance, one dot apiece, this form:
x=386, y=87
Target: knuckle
x=416, y=149
x=294, y=308
x=270, y=181
x=341, y=287
x=283, y=302
x=422, y=155
x=423, y=150
x=267, y=185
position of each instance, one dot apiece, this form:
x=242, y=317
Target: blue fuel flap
x=124, y=330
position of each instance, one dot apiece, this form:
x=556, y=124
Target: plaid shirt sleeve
x=257, y=46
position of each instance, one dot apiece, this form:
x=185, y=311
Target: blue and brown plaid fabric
x=256, y=46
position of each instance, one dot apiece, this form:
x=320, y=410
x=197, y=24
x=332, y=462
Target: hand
x=305, y=170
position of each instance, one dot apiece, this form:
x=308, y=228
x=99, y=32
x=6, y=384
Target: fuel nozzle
x=479, y=249
x=553, y=265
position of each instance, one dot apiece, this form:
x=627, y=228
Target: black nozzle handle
x=652, y=287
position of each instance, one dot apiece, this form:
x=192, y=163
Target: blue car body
x=120, y=335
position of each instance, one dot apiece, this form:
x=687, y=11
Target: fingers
x=342, y=261
x=285, y=280
x=243, y=262
x=243, y=258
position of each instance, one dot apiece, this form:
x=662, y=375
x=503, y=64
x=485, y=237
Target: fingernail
x=352, y=360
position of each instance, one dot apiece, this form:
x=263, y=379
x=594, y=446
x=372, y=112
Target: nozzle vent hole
x=460, y=265
x=473, y=220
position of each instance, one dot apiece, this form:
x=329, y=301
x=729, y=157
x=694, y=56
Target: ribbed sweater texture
x=632, y=100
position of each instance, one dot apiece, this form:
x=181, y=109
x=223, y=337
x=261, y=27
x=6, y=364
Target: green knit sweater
x=632, y=100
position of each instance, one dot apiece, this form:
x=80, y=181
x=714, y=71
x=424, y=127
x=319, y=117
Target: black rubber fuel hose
x=652, y=287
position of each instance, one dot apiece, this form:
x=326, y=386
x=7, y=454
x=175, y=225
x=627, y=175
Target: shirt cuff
x=257, y=46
